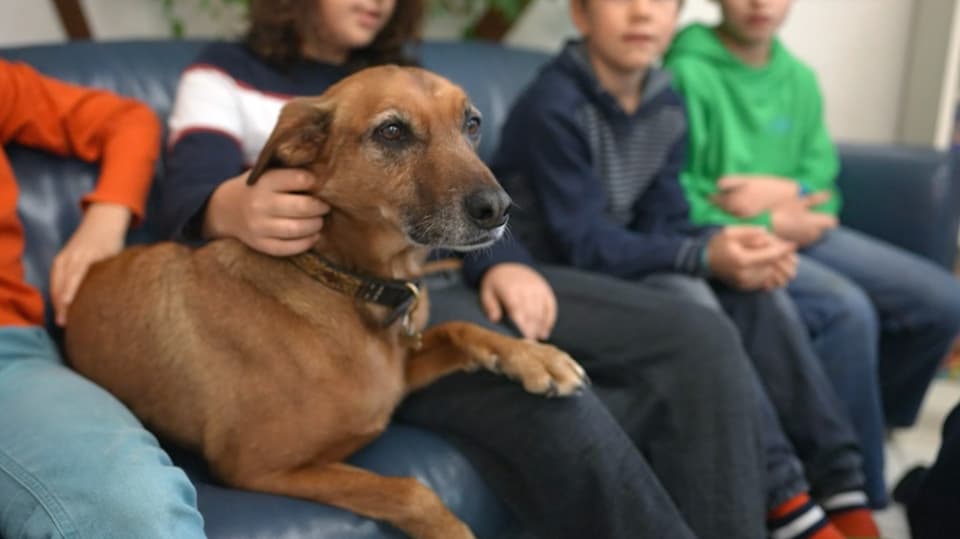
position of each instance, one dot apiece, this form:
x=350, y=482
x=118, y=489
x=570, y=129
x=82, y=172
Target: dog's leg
x=403, y=502
x=453, y=346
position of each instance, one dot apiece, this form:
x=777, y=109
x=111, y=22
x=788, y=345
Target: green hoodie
x=748, y=120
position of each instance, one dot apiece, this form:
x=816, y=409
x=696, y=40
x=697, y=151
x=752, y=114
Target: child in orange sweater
x=73, y=461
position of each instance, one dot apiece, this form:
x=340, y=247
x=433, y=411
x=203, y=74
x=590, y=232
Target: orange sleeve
x=93, y=125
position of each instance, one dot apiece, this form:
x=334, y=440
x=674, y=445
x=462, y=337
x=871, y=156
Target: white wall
x=125, y=19
x=860, y=48
x=929, y=103
x=34, y=22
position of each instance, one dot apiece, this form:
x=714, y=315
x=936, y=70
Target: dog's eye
x=391, y=132
x=473, y=126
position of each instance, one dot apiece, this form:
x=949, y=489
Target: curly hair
x=277, y=31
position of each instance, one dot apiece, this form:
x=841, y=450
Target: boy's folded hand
x=783, y=271
x=797, y=222
x=747, y=196
x=750, y=258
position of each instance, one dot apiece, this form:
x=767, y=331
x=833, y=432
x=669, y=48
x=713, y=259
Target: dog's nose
x=488, y=208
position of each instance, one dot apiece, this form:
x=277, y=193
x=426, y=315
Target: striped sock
x=800, y=518
x=848, y=511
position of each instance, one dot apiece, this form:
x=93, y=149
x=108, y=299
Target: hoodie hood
x=575, y=63
x=700, y=41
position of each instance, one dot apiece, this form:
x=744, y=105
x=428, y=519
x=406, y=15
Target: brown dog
x=277, y=369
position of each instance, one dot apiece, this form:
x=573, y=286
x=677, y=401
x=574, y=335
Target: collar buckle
x=402, y=297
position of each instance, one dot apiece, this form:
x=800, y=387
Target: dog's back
x=111, y=307
x=199, y=344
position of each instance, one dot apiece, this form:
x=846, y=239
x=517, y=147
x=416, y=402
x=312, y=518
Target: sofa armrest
x=906, y=196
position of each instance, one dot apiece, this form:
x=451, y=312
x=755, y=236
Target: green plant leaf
x=511, y=9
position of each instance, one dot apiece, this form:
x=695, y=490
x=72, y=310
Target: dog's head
x=395, y=146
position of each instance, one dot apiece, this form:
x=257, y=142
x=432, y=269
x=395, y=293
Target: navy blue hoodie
x=598, y=188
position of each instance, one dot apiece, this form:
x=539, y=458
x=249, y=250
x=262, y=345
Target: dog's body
x=275, y=377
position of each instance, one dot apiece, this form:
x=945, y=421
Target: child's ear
x=578, y=14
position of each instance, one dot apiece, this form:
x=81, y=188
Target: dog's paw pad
x=545, y=370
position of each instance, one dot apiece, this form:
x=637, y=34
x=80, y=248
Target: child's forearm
x=111, y=219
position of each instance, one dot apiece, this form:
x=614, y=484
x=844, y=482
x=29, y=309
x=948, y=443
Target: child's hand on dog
x=275, y=216
x=100, y=235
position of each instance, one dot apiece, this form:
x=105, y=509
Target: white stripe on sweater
x=209, y=99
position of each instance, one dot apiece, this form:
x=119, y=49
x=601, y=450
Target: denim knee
x=148, y=506
x=858, y=311
x=155, y=502
x=74, y=462
x=833, y=307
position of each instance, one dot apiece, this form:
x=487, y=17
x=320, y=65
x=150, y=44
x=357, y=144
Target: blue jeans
x=801, y=401
x=881, y=320
x=74, y=463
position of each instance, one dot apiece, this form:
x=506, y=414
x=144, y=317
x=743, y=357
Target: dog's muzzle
x=488, y=209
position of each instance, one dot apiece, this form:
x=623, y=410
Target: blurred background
x=889, y=68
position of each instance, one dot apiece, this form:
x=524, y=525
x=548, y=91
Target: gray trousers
x=808, y=409
x=665, y=444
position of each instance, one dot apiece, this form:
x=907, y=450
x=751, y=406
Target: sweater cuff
x=476, y=263
x=124, y=181
x=693, y=255
x=704, y=269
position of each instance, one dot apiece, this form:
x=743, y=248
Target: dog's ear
x=297, y=138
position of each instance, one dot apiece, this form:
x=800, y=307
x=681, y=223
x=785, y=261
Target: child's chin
x=754, y=35
x=361, y=38
x=638, y=62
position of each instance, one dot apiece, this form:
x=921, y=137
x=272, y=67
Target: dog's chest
x=371, y=361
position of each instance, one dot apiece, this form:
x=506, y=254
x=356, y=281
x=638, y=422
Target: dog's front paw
x=543, y=369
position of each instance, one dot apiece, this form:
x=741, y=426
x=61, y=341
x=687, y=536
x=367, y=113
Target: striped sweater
x=598, y=188
x=227, y=103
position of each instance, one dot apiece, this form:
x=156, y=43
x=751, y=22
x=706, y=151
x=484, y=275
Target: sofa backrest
x=51, y=187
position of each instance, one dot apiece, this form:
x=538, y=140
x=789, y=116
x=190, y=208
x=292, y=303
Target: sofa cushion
x=401, y=451
x=907, y=196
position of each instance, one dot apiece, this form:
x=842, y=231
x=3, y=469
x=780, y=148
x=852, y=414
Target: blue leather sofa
x=907, y=196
